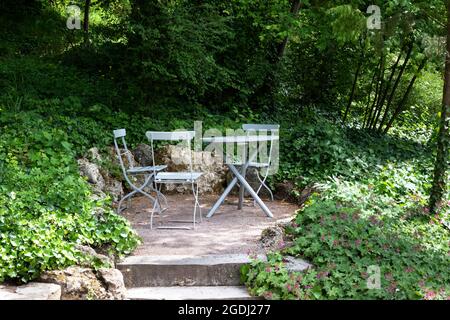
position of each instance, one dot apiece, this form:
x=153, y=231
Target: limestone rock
x=102, y=181
x=127, y=161
x=94, y=155
x=79, y=283
x=272, y=238
x=143, y=155
x=40, y=291
x=212, y=167
x=113, y=187
x=31, y=291
x=92, y=172
x=285, y=191
x=92, y=254
x=293, y=264
x=113, y=279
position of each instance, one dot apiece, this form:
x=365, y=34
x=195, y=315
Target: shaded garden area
x=360, y=114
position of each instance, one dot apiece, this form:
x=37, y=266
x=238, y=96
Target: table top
x=240, y=139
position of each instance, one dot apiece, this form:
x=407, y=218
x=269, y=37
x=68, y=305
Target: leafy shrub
x=46, y=208
x=345, y=231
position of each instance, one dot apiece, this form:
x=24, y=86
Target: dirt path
x=228, y=231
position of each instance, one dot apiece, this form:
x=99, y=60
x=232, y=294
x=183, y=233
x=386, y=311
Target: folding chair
x=274, y=130
x=147, y=172
x=176, y=177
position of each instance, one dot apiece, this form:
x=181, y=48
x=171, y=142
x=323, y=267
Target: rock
x=272, y=238
x=92, y=172
x=113, y=279
x=92, y=254
x=79, y=283
x=177, y=159
x=102, y=181
x=94, y=155
x=143, y=155
x=40, y=291
x=293, y=264
x=128, y=161
x=113, y=187
x=284, y=191
x=31, y=291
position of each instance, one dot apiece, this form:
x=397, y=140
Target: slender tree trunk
x=402, y=103
x=394, y=89
x=266, y=90
x=377, y=93
x=441, y=165
x=87, y=7
x=355, y=82
x=378, y=105
x=366, y=113
x=391, y=77
x=295, y=8
x=369, y=108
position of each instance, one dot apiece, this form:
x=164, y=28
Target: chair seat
x=258, y=165
x=177, y=177
x=146, y=169
x=253, y=164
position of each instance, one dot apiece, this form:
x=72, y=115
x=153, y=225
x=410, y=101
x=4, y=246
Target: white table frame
x=240, y=176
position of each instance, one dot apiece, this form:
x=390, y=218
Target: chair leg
x=151, y=215
x=138, y=190
x=196, y=203
x=128, y=196
x=263, y=184
x=199, y=207
x=160, y=195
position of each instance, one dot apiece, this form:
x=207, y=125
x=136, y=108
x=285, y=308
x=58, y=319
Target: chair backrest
x=119, y=137
x=171, y=136
x=272, y=128
x=256, y=127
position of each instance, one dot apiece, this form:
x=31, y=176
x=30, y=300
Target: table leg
x=222, y=197
x=242, y=189
x=244, y=183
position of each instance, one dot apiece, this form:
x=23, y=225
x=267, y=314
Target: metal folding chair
x=176, y=177
x=147, y=172
x=266, y=128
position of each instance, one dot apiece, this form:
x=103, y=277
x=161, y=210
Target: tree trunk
x=366, y=114
x=397, y=82
x=377, y=92
x=295, y=8
x=355, y=82
x=391, y=77
x=87, y=7
x=402, y=103
x=377, y=105
x=266, y=90
x=441, y=165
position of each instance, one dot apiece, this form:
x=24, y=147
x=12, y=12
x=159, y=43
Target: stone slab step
x=31, y=291
x=190, y=293
x=166, y=271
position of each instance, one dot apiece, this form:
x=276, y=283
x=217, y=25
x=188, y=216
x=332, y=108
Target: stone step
x=190, y=293
x=166, y=271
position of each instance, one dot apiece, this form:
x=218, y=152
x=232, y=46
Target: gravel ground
x=229, y=231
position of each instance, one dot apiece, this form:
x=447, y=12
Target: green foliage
x=160, y=65
x=46, y=206
x=349, y=228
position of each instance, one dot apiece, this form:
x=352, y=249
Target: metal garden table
x=240, y=176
